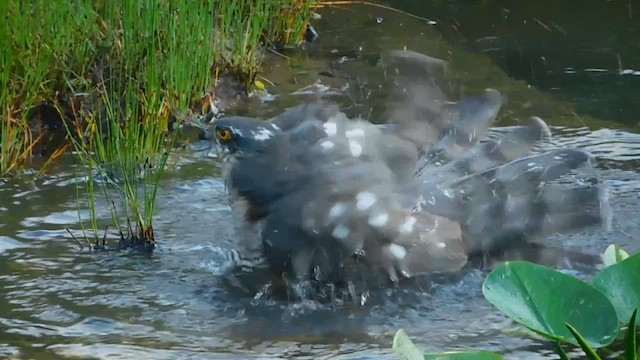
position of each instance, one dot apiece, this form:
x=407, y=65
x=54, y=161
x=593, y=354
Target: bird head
x=242, y=135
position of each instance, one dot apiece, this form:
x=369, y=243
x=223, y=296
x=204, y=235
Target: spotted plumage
x=336, y=197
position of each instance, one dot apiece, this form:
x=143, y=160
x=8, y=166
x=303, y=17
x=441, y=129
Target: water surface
x=60, y=302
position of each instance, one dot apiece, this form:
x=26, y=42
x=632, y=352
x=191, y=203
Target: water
x=60, y=302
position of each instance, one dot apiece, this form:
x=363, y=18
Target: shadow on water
x=180, y=304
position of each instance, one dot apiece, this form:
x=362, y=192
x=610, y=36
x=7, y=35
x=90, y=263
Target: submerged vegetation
x=116, y=76
x=600, y=314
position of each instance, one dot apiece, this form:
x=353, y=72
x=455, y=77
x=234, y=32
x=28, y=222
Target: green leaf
x=404, y=348
x=591, y=354
x=630, y=347
x=259, y=85
x=464, y=355
x=613, y=255
x=560, y=351
x=544, y=300
x=621, y=285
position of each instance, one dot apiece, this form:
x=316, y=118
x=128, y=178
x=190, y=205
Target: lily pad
x=621, y=285
x=405, y=349
x=545, y=300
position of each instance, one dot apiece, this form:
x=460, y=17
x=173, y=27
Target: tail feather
x=515, y=200
x=555, y=208
x=524, y=174
x=454, y=197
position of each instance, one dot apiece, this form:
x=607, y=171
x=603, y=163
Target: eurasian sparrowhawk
x=338, y=197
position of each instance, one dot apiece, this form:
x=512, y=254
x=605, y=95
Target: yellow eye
x=223, y=134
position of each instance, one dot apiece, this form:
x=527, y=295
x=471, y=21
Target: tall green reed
x=161, y=62
x=40, y=46
x=126, y=69
x=245, y=27
x=292, y=23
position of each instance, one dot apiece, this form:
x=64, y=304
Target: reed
x=40, y=46
x=160, y=62
x=53, y=50
x=119, y=73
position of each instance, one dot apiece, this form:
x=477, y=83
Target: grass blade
x=560, y=351
x=119, y=71
x=630, y=347
x=591, y=354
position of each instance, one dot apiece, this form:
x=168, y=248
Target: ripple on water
x=8, y=243
x=180, y=302
x=55, y=314
x=7, y=351
x=115, y=351
x=606, y=144
x=66, y=217
x=176, y=304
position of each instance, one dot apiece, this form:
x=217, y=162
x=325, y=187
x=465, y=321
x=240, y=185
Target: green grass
x=119, y=72
x=238, y=33
x=39, y=46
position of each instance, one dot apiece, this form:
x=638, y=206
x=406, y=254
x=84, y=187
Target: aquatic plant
x=40, y=46
x=562, y=308
x=53, y=53
x=121, y=74
x=290, y=27
x=165, y=64
x=159, y=62
x=14, y=137
x=405, y=349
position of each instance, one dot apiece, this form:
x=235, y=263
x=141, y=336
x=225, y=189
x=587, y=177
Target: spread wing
x=498, y=189
x=353, y=207
x=422, y=112
x=416, y=195
x=518, y=200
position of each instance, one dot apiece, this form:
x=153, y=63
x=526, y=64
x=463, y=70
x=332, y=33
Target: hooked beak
x=222, y=152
